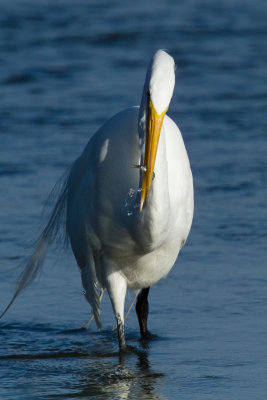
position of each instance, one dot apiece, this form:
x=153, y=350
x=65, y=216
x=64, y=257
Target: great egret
x=127, y=202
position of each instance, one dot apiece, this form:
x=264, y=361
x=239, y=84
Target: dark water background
x=65, y=67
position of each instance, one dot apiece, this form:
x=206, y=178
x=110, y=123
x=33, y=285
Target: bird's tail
x=54, y=230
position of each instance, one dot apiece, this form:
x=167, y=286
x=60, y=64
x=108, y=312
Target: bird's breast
x=103, y=202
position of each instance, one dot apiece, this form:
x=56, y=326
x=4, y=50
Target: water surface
x=65, y=67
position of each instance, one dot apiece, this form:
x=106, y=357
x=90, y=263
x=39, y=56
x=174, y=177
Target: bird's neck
x=152, y=225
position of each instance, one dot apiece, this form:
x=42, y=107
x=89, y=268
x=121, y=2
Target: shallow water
x=65, y=67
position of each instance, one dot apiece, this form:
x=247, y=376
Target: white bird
x=127, y=202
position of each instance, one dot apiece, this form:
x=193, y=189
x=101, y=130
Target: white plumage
x=128, y=199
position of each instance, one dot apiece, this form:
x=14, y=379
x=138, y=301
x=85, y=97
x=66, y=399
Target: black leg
x=121, y=336
x=142, y=311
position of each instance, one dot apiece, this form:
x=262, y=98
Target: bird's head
x=157, y=94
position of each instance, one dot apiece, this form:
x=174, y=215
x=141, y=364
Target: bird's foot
x=147, y=335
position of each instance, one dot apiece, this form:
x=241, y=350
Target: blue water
x=65, y=67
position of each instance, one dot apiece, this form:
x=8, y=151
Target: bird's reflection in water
x=120, y=376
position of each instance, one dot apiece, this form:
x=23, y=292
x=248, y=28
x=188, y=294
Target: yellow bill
x=153, y=127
